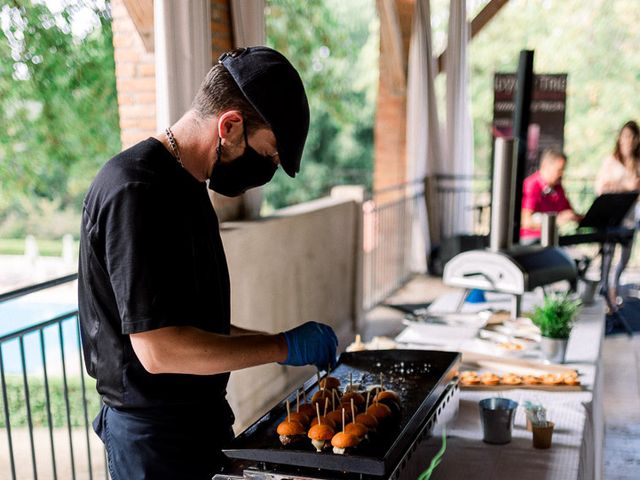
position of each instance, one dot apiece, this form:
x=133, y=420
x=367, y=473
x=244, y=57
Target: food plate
x=491, y=380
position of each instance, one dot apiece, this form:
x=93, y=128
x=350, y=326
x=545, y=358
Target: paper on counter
x=434, y=334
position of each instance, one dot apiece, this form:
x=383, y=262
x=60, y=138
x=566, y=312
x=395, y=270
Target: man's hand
x=567, y=216
x=311, y=343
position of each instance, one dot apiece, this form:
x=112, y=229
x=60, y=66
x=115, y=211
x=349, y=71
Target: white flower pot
x=554, y=349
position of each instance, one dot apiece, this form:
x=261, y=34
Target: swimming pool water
x=23, y=312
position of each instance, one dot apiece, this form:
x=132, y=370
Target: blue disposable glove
x=311, y=343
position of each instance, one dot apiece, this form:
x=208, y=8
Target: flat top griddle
x=418, y=376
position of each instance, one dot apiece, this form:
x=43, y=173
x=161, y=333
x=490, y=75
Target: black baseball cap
x=274, y=88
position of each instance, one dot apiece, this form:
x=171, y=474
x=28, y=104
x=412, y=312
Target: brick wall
x=135, y=79
x=221, y=29
x=135, y=82
x=390, y=165
x=135, y=68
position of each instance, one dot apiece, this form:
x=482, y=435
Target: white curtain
x=182, y=55
x=458, y=213
x=423, y=128
x=249, y=30
x=248, y=22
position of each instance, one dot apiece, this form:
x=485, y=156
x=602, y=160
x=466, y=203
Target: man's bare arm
x=243, y=331
x=193, y=351
x=527, y=221
x=567, y=216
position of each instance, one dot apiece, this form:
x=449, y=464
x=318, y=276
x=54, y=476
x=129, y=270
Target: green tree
x=334, y=46
x=58, y=103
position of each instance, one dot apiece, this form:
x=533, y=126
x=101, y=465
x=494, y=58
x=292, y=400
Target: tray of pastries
x=472, y=379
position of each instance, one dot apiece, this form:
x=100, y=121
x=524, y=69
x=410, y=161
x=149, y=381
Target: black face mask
x=249, y=170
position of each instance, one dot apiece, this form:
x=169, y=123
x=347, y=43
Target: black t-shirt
x=151, y=256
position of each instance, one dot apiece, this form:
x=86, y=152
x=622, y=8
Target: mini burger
x=330, y=383
x=307, y=409
x=321, y=435
x=358, y=400
x=290, y=432
x=344, y=442
x=321, y=396
x=301, y=418
x=357, y=429
x=367, y=420
x=380, y=411
x=324, y=420
x=336, y=415
x=391, y=399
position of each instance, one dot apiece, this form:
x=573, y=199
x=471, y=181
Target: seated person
x=620, y=172
x=542, y=192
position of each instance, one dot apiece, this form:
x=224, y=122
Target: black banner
x=548, y=103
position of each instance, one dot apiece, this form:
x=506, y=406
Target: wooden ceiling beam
x=141, y=12
x=391, y=46
x=477, y=24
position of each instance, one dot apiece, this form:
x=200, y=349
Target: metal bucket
x=496, y=416
x=553, y=349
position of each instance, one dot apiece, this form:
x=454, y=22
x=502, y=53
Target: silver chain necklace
x=174, y=146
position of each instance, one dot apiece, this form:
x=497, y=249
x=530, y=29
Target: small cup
x=542, y=435
x=496, y=416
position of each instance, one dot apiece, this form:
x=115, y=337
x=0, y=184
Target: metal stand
x=606, y=250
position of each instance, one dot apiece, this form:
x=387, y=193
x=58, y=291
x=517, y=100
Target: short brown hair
x=219, y=93
x=552, y=153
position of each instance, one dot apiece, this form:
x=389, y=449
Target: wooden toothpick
x=353, y=411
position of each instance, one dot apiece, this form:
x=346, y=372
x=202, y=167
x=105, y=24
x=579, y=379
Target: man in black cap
x=153, y=280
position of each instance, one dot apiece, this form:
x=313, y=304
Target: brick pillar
x=135, y=79
x=390, y=165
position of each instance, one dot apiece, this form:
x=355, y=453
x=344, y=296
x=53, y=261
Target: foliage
x=58, y=103
x=37, y=399
x=556, y=316
x=595, y=42
x=334, y=46
x=46, y=248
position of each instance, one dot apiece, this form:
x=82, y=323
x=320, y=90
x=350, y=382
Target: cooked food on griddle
x=321, y=396
x=391, y=399
x=358, y=399
x=380, y=411
x=307, y=409
x=321, y=435
x=357, y=429
x=301, y=418
x=336, y=415
x=344, y=442
x=367, y=420
x=329, y=383
x=290, y=432
x=354, y=428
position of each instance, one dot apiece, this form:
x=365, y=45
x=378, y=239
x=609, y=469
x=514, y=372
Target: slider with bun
x=290, y=432
x=344, y=442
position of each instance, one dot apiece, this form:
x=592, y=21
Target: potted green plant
x=555, y=318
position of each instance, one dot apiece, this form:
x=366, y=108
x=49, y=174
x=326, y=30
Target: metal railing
x=466, y=200
x=389, y=226
x=47, y=399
